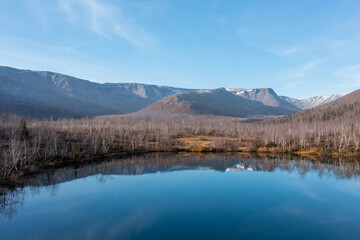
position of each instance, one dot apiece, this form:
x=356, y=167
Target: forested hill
x=345, y=108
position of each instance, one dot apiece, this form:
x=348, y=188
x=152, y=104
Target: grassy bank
x=32, y=144
x=199, y=144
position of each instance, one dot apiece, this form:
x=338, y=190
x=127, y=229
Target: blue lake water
x=187, y=197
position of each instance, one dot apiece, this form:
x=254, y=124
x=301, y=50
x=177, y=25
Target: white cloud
x=350, y=76
x=66, y=7
x=288, y=51
x=304, y=70
x=284, y=51
x=106, y=20
x=295, y=83
x=243, y=30
x=25, y=54
x=38, y=9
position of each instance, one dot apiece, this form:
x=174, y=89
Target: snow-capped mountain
x=345, y=109
x=268, y=97
x=313, y=101
x=215, y=102
x=43, y=94
x=239, y=167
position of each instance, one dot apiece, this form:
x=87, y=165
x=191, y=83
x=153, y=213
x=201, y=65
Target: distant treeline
x=338, y=110
x=30, y=144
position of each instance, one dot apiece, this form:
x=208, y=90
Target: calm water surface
x=186, y=197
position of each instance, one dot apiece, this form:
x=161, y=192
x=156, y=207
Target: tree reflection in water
x=12, y=199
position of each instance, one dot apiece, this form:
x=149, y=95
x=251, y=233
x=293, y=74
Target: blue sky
x=299, y=48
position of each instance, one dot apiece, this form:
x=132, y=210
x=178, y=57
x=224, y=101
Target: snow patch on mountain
x=312, y=102
x=239, y=167
x=268, y=97
x=238, y=91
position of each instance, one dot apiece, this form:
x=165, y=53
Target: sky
x=299, y=48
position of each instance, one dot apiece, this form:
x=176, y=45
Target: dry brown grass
x=83, y=139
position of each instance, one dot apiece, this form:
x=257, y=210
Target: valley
x=172, y=120
x=160, y=119
x=42, y=94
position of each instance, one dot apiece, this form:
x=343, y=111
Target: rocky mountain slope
x=217, y=102
x=266, y=96
x=313, y=101
x=43, y=94
x=344, y=110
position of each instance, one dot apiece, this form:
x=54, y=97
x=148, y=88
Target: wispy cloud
x=39, y=10
x=288, y=51
x=106, y=20
x=26, y=54
x=304, y=70
x=66, y=7
x=349, y=75
x=293, y=84
x=284, y=52
x=243, y=30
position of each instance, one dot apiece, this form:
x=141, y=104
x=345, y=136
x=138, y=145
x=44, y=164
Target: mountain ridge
x=42, y=94
x=312, y=102
x=344, y=110
x=71, y=96
x=216, y=102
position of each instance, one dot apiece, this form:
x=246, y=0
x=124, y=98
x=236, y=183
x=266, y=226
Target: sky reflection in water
x=212, y=197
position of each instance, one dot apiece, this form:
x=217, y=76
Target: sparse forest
x=29, y=144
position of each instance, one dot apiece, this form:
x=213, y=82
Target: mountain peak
x=266, y=96
x=44, y=94
x=312, y=102
x=215, y=102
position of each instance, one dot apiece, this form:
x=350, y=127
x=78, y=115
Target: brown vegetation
x=29, y=144
x=330, y=130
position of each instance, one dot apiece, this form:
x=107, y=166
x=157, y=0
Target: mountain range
x=217, y=102
x=312, y=102
x=268, y=97
x=343, y=111
x=42, y=94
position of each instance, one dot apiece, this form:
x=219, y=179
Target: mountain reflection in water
x=11, y=200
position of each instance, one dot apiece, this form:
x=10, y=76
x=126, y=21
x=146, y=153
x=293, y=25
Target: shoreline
x=19, y=178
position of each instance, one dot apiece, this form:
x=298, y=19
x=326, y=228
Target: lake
x=165, y=196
